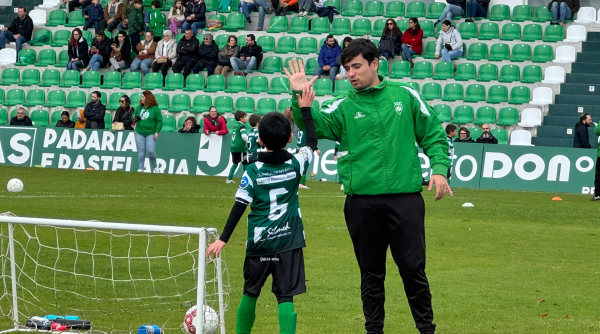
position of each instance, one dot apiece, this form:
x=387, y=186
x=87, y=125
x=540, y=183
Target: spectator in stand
x=464, y=136
x=176, y=16
x=285, y=6
x=581, y=138
x=391, y=40
x=135, y=25
x=195, y=16
x=342, y=74
x=190, y=126
x=231, y=49
x=77, y=3
x=453, y=8
x=246, y=6
x=187, y=52
x=93, y=14
x=127, y=5
x=21, y=119
x=149, y=122
x=330, y=51
x=94, y=112
x=450, y=133
x=476, y=8
x=78, y=51
x=99, y=51
x=145, y=57
x=124, y=113
x=165, y=55
x=208, y=53
x=65, y=121
x=215, y=123
x=80, y=124
x=322, y=11
x=249, y=58
x=486, y=137
x=112, y=15
x=562, y=10
x=412, y=40
x=19, y=31
x=157, y=21
x=122, y=47
x=450, y=43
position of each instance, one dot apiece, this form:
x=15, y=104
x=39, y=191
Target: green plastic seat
x=319, y=25
x=63, y=59
x=501, y=135
x=245, y=104
x=201, y=103
x=194, y=82
x=435, y=9
x=511, y=31
x=475, y=93
x=88, y=36
x=499, y=13
x=173, y=81
x=497, y=94
x=532, y=74
x=283, y=104
x=90, y=79
x=415, y=9
x=55, y=117
x=265, y=105
x=258, y=84
x=26, y=57
x=215, y=83
x=278, y=24
x=432, y=91
x=443, y=70
x=236, y=84
x=272, y=64
x=443, y=112
x=56, y=98
x=135, y=99
x=553, y=33
x=39, y=117
x=468, y=30
x=169, y=124
x=75, y=19
x=394, y=9
x=153, y=80
x=70, y=78
x=342, y=87
x=465, y=72
x=30, y=76
x=164, y=101
x=373, y=8
x=178, y=37
x=180, y=103
x=340, y=26
x=463, y=115
x=39, y=34
x=266, y=42
x=50, y=78
x=286, y=44
x=485, y=114
x=212, y=5
x=235, y=22
x=510, y=73
x=521, y=13
x=311, y=65
x=400, y=69
x=521, y=52
x=181, y=120
x=1, y=96
x=285, y=64
x=113, y=100
x=352, y=8
x=298, y=24
x=46, y=57
x=453, y=92
x=378, y=26
x=57, y=18
x=422, y=70
x=478, y=51
x=224, y=104
x=361, y=27
x=221, y=40
x=429, y=50
x=542, y=53
x=334, y=3
x=10, y=76
x=75, y=99
x=532, y=32
x=218, y=17
x=499, y=52
x=279, y=85
x=475, y=133
x=519, y=95
x=111, y=80
x=132, y=80
x=541, y=14
x=508, y=116
x=428, y=28
x=323, y=87
x=4, y=115
x=35, y=97
x=14, y=97
x=307, y=45
x=384, y=67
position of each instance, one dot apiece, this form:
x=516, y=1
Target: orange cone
x=557, y=199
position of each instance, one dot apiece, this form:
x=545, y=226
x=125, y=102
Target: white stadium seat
x=576, y=33
x=38, y=16
x=565, y=54
x=50, y=4
x=8, y=56
x=520, y=138
x=554, y=75
x=542, y=96
x=586, y=15
x=530, y=117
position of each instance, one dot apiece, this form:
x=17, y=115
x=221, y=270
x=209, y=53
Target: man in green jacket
x=597, y=178
x=380, y=125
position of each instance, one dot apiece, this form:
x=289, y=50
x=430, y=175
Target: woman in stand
x=145, y=57
x=391, y=39
x=215, y=123
x=99, y=52
x=120, y=55
x=124, y=113
x=231, y=49
x=190, y=126
x=78, y=51
x=412, y=40
x=149, y=122
x=65, y=121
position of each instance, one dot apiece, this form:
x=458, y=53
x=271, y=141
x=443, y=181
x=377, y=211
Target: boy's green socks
x=303, y=180
x=246, y=313
x=287, y=318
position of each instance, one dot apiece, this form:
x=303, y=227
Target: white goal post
x=118, y=276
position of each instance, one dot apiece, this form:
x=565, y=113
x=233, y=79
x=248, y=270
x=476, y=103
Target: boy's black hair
x=254, y=119
x=450, y=128
x=239, y=115
x=360, y=46
x=274, y=130
x=156, y=4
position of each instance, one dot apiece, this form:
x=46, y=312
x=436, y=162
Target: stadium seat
x=307, y=45
x=285, y=63
x=402, y=24
x=279, y=85
x=576, y=34
x=532, y=74
x=266, y=105
x=323, y=87
x=88, y=37
x=384, y=67
x=541, y=14
x=284, y=103
x=468, y=30
x=519, y=95
x=90, y=79
x=245, y=104
x=46, y=57
x=272, y=64
x=373, y=8
x=554, y=75
x=194, y=82
x=521, y=52
x=342, y=87
x=508, y=116
x=153, y=80
x=178, y=37
x=553, y=33
x=14, y=97
x=319, y=25
x=422, y=70
x=565, y=54
x=278, y=24
x=135, y=98
x=75, y=19
x=113, y=100
x=70, y=78
x=334, y=3
x=478, y=51
x=173, y=81
x=530, y=117
x=169, y=124
x=499, y=13
x=475, y=93
x=435, y=9
x=542, y=96
x=75, y=99
x=39, y=117
x=26, y=57
x=521, y=13
x=258, y=84
x=111, y=80
x=443, y=70
x=361, y=27
x=35, y=97
x=520, y=138
x=532, y=32
x=3, y=116
x=510, y=73
x=41, y=34
x=443, y=112
x=488, y=31
x=236, y=84
x=429, y=50
x=394, y=9
x=55, y=117
x=132, y=80
x=201, y=103
x=453, y=92
x=223, y=19
x=586, y=15
x=463, y=115
x=501, y=135
x=10, y=76
x=50, y=78
x=485, y=115
x=465, y=72
x=414, y=85
x=432, y=91
x=221, y=40
x=182, y=119
x=497, y=94
x=212, y=5
x=510, y=32
x=340, y=26
x=63, y=59
x=487, y=72
x=180, y=103
x=415, y=9
x=56, y=98
x=235, y=22
x=378, y=26
x=400, y=69
x=352, y=8
x=164, y=101
x=298, y=25
x=286, y=44
x=475, y=133
x=30, y=76
x=215, y=83
x=543, y=53
x=57, y=18
x=224, y=104
x=8, y=56
x=428, y=28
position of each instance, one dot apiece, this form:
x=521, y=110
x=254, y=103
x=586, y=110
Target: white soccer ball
x=14, y=186
x=191, y=321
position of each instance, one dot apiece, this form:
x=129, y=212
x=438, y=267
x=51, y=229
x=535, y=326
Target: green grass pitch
x=515, y=263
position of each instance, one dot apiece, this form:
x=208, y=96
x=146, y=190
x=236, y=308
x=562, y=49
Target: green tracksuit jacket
x=380, y=129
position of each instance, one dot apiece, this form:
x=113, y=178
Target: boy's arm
x=305, y=155
x=243, y=134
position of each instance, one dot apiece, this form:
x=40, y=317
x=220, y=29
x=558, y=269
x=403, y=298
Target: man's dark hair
x=329, y=36
x=450, y=128
x=274, y=130
x=156, y=4
x=138, y=1
x=254, y=119
x=98, y=94
x=23, y=8
x=360, y=46
x=583, y=117
x=252, y=37
x=239, y=115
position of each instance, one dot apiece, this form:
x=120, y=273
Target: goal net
x=117, y=276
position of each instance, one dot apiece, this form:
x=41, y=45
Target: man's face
x=486, y=128
x=20, y=113
x=20, y=13
x=95, y=2
x=207, y=41
x=249, y=41
x=138, y=5
x=188, y=34
x=95, y=98
x=588, y=120
x=148, y=37
x=330, y=42
x=360, y=73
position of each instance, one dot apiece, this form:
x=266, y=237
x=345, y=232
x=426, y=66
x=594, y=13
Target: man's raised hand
x=297, y=76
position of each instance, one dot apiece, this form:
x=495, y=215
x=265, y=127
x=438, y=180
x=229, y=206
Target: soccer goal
x=117, y=276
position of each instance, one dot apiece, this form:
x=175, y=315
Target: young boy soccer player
x=275, y=232
x=253, y=144
x=238, y=145
x=451, y=133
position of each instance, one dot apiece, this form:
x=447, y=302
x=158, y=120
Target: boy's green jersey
x=253, y=145
x=275, y=222
x=238, y=144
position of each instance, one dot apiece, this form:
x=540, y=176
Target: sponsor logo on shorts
x=269, y=259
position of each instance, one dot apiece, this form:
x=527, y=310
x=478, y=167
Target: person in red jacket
x=215, y=123
x=285, y=6
x=412, y=40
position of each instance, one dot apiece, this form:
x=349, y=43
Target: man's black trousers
x=376, y=222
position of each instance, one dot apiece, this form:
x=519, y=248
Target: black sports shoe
x=435, y=23
x=469, y=20
x=248, y=19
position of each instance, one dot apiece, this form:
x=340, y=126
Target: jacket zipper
x=381, y=129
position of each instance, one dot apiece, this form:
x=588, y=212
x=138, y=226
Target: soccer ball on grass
x=14, y=186
x=191, y=321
